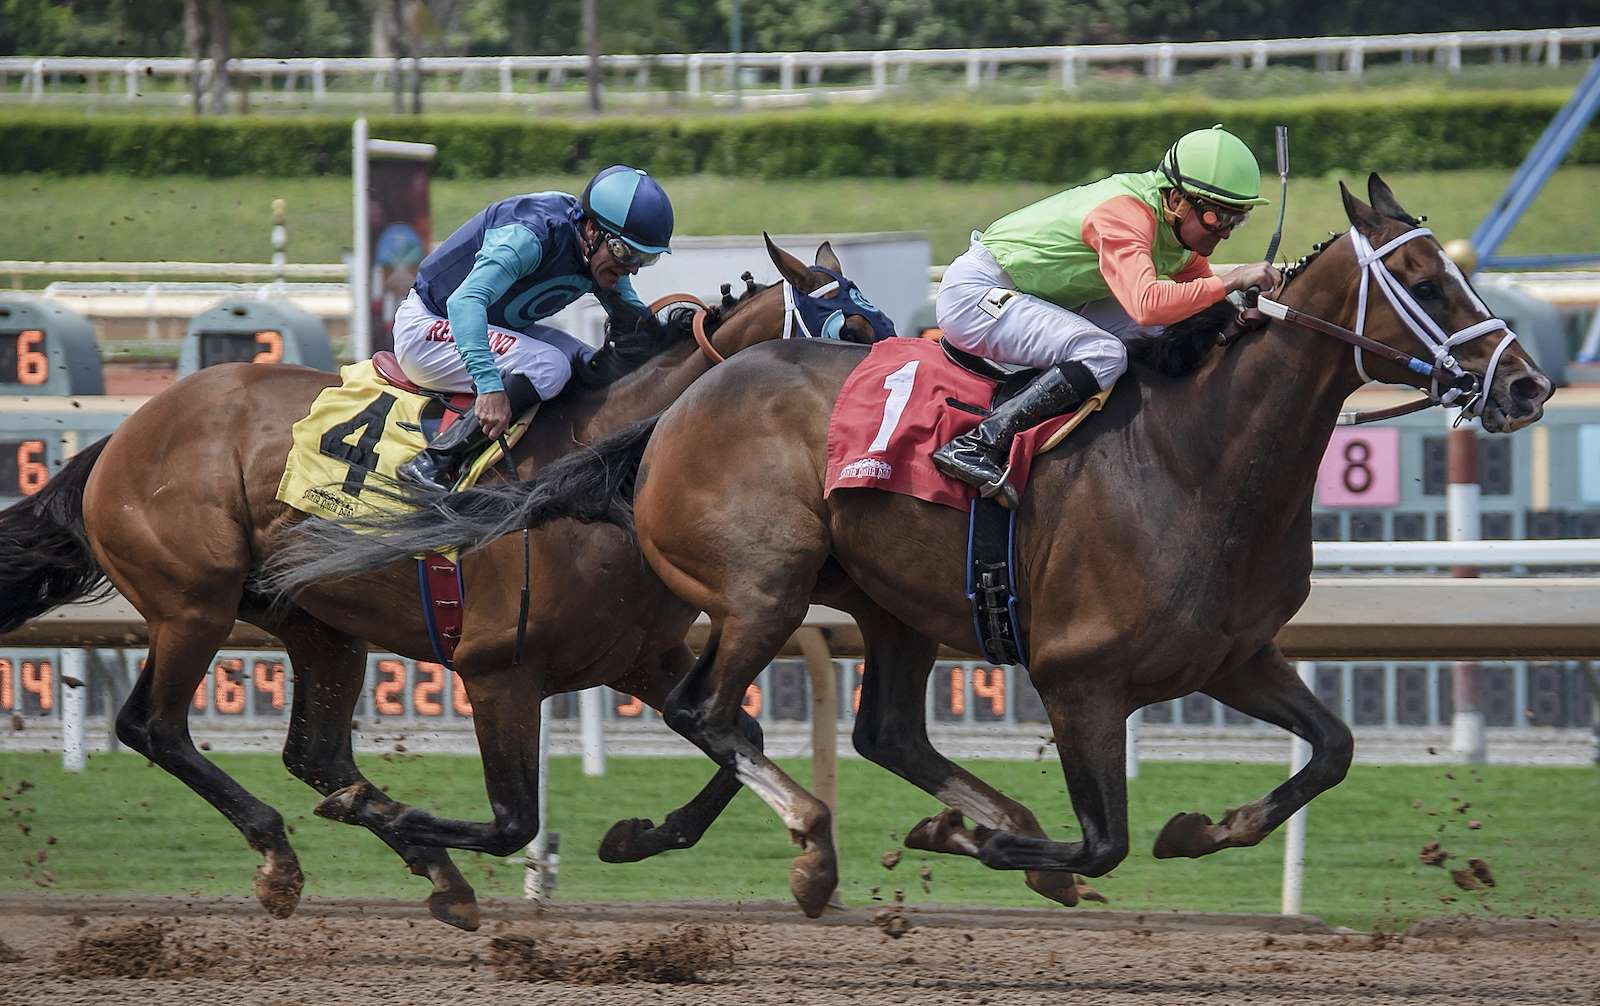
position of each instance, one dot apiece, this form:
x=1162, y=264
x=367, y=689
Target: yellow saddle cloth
x=356, y=435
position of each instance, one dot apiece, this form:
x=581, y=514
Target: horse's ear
x=1362, y=216
x=827, y=259
x=1383, y=200
x=789, y=267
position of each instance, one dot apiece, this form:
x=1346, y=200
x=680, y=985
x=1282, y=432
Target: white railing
x=495, y=78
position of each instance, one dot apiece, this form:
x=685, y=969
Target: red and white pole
x=1464, y=512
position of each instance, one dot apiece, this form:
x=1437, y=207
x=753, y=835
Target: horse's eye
x=1425, y=290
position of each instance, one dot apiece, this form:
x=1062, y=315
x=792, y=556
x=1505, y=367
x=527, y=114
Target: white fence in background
x=498, y=78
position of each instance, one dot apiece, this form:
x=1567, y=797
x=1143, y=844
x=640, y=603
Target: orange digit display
x=855, y=693
x=390, y=689
x=458, y=696
x=752, y=700
x=268, y=676
x=33, y=364
x=7, y=699
x=958, y=691
x=32, y=472
x=229, y=688
x=271, y=347
x=632, y=709
x=990, y=683
x=38, y=679
x=429, y=687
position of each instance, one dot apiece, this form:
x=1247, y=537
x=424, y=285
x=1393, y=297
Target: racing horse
x=1160, y=549
x=180, y=516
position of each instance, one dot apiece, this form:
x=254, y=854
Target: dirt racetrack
x=222, y=951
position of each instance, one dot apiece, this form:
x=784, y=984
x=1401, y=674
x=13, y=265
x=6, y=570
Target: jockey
x=1059, y=284
x=470, y=322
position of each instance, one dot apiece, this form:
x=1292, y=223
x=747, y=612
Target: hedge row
x=964, y=142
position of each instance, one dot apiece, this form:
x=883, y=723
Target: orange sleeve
x=1122, y=231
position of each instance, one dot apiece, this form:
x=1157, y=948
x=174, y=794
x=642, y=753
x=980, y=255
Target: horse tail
x=593, y=485
x=45, y=560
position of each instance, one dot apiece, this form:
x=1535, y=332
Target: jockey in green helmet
x=1060, y=284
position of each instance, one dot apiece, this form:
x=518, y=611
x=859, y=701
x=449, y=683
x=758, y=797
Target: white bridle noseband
x=1422, y=325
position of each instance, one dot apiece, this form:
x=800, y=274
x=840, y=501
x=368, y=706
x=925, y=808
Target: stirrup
x=1002, y=488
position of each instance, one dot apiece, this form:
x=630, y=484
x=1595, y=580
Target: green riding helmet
x=1216, y=165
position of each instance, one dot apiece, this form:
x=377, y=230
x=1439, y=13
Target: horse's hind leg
x=636, y=838
x=155, y=721
x=1266, y=687
x=505, y=716
x=329, y=670
x=892, y=730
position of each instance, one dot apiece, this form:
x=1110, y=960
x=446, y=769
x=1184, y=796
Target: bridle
x=1448, y=383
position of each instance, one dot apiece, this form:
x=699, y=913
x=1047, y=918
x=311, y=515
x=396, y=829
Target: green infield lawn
x=125, y=826
x=187, y=219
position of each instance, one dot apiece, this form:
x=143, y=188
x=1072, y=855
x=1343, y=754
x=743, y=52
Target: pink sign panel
x=1360, y=469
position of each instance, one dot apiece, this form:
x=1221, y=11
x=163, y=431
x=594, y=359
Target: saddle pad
x=362, y=427
x=894, y=411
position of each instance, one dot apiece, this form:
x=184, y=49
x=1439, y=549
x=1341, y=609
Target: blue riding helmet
x=630, y=204
x=821, y=313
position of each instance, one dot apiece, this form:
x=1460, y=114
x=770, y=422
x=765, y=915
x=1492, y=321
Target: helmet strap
x=1175, y=217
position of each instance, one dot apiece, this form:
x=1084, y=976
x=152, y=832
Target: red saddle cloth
x=892, y=413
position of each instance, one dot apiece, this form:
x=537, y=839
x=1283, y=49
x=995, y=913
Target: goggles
x=629, y=256
x=1216, y=218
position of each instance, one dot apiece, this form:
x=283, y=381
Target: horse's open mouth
x=1515, y=404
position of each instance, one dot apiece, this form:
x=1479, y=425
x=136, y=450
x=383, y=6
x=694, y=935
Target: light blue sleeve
x=508, y=254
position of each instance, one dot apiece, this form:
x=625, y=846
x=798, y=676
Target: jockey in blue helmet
x=471, y=321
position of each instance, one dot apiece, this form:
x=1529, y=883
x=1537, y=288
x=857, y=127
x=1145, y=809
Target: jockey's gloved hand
x=1262, y=275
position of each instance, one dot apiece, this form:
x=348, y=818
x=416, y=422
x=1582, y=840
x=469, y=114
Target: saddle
x=1009, y=378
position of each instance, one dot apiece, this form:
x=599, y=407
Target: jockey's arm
x=508, y=254
x=1122, y=231
x=623, y=307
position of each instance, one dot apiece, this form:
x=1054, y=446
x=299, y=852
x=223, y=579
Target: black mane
x=626, y=351
x=1181, y=347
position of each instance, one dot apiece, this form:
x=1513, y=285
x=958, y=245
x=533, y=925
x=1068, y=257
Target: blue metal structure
x=1530, y=177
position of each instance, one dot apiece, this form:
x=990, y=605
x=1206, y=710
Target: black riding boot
x=979, y=457
x=438, y=466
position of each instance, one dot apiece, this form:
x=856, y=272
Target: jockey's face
x=1192, y=230
x=604, y=268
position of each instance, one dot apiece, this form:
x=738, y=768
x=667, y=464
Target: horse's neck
x=1254, y=422
x=586, y=416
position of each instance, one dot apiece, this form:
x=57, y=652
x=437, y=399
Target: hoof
x=346, y=805
x=1087, y=893
x=278, y=883
x=945, y=831
x=1185, y=836
x=455, y=909
x=627, y=841
x=1058, y=886
x=812, y=880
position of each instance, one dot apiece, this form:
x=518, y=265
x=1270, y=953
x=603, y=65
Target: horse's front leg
x=636, y=838
x=505, y=717
x=891, y=729
x=1266, y=687
x=1086, y=718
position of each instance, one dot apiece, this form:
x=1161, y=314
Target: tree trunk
x=194, y=45
x=591, y=43
x=217, y=32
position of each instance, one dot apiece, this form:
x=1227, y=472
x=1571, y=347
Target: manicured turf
x=126, y=826
x=84, y=218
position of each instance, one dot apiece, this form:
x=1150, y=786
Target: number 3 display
x=1360, y=469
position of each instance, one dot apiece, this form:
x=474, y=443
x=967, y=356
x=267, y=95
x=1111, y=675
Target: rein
x=1443, y=368
x=698, y=325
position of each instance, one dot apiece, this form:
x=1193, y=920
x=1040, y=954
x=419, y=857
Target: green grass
x=83, y=218
x=123, y=826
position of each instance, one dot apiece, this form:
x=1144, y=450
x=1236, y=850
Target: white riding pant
x=426, y=349
x=981, y=311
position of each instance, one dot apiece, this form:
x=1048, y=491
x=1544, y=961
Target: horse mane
x=1181, y=347
x=626, y=351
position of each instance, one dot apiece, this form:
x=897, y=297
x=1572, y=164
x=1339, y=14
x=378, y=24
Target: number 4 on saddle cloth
x=355, y=436
x=897, y=406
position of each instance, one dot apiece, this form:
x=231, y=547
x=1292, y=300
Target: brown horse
x=1160, y=550
x=180, y=516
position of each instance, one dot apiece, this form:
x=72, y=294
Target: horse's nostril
x=1529, y=390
